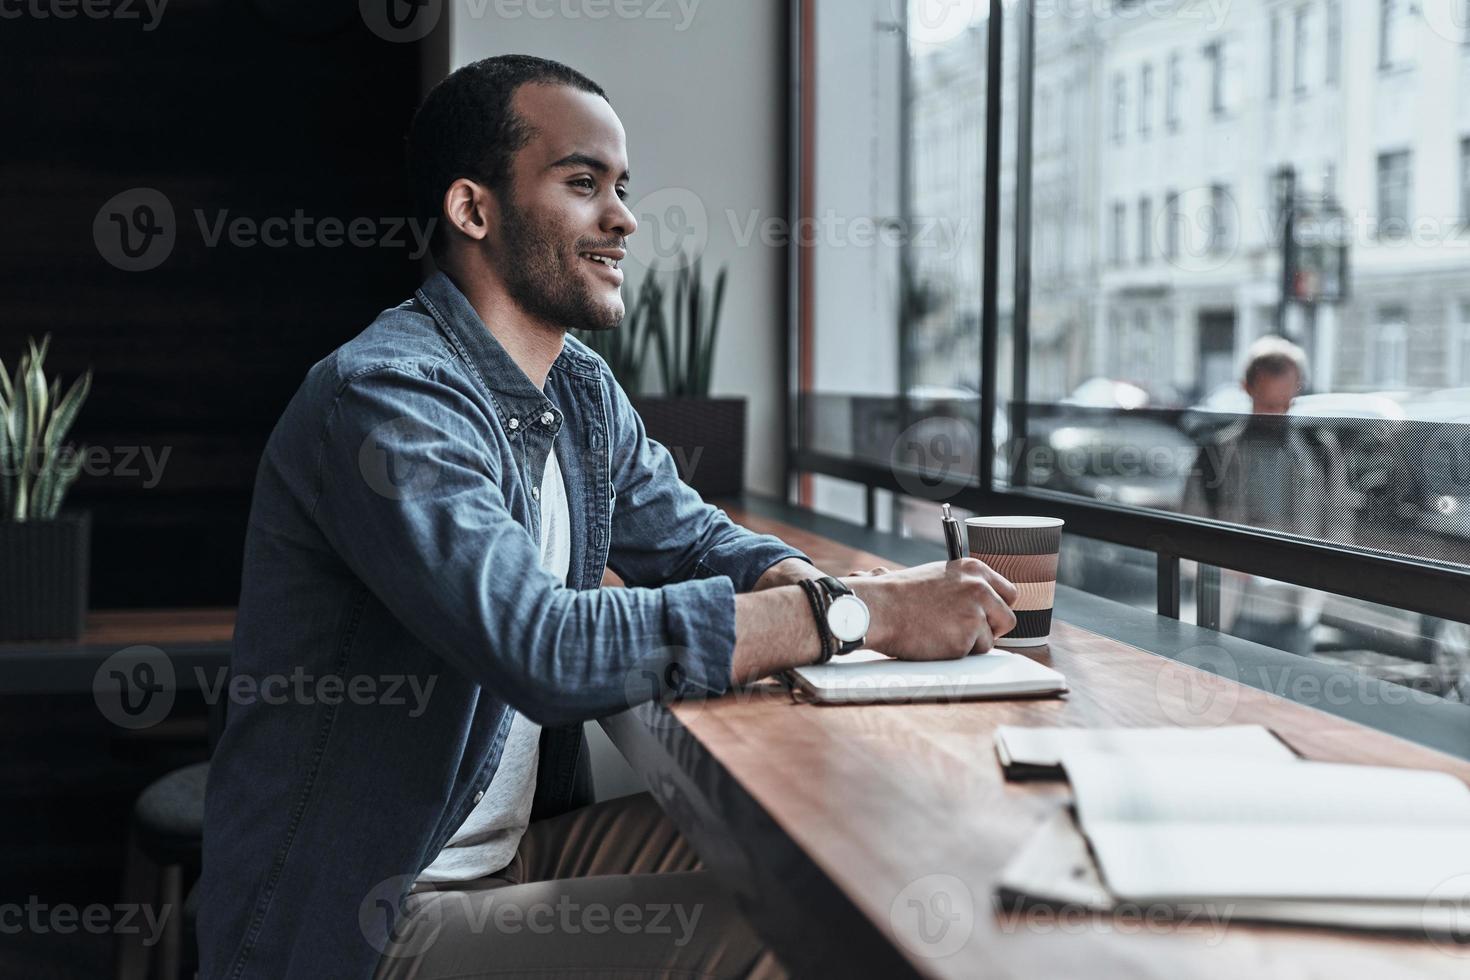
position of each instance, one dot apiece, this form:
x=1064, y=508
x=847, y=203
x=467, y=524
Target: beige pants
x=610, y=890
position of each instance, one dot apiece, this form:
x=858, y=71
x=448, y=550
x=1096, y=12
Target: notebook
x=1030, y=753
x=1308, y=842
x=869, y=676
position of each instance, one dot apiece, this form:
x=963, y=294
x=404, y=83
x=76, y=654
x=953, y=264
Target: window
x=1120, y=109
x=1391, y=348
x=1461, y=351
x=1395, y=37
x=1173, y=225
x=1145, y=99
x=1176, y=91
x=1465, y=181
x=1334, y=42
x=1120, y=233
x=1274, y=54
x=1145, y=231
x=1220, y=233
x=1215, y=60
x=1301, y=51
x=1393, y=194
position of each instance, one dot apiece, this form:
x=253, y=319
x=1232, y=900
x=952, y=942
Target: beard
x=546, y=282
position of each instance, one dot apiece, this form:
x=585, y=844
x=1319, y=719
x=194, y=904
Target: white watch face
x=847, y=618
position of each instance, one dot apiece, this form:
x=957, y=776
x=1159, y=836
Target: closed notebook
x=1036, y=753
x=868, y=676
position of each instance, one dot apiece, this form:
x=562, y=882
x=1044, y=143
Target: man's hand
x=939, y=611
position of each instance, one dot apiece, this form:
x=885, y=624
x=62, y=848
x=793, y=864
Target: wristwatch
x=847, y=616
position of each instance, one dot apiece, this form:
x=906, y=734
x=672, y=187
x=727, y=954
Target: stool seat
x=168, y=816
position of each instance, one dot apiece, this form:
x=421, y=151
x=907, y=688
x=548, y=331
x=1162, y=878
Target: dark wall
x=233, y=110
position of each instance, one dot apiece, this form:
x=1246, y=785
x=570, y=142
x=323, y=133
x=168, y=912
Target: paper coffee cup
x=1024, y=550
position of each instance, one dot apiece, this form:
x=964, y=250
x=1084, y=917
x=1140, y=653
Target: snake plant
x=686, y=350
x=34, y=418
x=625, y=349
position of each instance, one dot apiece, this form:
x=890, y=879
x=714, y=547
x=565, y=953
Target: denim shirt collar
x=514, y=394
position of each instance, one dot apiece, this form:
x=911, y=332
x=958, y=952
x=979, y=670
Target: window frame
x=1406, y=582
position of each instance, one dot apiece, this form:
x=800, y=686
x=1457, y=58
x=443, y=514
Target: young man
x=435, y=508
x=1264, y=472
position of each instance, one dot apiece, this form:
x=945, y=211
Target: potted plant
x=705, y=435
x=44, y=553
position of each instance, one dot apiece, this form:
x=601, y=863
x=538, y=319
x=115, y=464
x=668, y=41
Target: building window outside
x=1145, y=231
x=1145, y=100
x=1465, y=181
x=1393, y=194
x=1215, y=57
x=1176, y=91
x=1274, y=53
x=1221, y=225
x=1173, y=219
x=1394, y=34
x=1334, y=42
x=1120, y=232
x=1301, y=50
x=1462, y=345
x=1391, y=348
x=1120, y=109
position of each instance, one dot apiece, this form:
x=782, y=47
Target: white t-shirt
x=487, y=840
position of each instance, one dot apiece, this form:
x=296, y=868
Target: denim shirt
x=394, y=611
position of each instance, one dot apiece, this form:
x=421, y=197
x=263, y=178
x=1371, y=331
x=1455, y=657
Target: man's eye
x=622, y=193
x=584, y=182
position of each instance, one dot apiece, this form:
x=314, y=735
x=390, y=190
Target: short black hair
x=466, y=128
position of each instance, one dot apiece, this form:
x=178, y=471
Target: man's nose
x=619, y=219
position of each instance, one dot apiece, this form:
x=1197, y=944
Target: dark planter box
x=44, y=568
x=706, y=437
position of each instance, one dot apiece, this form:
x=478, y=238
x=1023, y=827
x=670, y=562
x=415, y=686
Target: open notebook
x=1307, y=842
x=1028, y=753
x=869, y=676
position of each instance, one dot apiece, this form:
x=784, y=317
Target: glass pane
x=1252, y=309
x=1429, y=655
x=895, y=237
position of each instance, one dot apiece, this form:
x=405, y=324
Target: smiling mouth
x=606, y=260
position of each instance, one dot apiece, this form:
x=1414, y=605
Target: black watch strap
x=816, y=598
x=833, y=587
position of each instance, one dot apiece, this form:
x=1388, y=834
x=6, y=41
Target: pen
x=952, y=541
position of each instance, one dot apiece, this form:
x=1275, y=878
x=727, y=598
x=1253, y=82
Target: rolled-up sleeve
x=409, y=496
x=662, y=530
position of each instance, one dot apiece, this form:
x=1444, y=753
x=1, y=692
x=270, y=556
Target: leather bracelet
x=815, y=599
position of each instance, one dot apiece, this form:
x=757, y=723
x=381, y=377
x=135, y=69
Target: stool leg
x=140, y=878
x=170, y=907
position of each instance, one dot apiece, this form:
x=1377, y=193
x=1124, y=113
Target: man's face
x=563, y=206
x=1272, y=394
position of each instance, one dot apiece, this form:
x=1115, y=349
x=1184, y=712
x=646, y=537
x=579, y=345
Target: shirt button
x=536, y=492
x=547, y=418
x=479, y=796
x=515, y=423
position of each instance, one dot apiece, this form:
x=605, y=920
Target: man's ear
x=471, y=209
